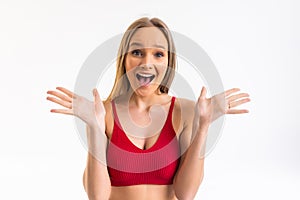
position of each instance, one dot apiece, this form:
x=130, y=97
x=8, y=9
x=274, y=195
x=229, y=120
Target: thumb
x=99, y=107
x=203, y=93
x=96, y=95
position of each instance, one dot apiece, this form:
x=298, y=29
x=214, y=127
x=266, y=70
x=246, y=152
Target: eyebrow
x=141, y=45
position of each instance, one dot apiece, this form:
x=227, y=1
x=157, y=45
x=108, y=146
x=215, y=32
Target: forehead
x=149, y=37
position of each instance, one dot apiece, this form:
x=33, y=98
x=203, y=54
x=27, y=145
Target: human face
x=147, y=60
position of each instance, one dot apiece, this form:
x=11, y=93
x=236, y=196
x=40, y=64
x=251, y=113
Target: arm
x=191, y=169
x=95, y=179
x=192, y=139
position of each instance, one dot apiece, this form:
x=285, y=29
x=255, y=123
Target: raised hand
x=92, y=113
x=209, y=109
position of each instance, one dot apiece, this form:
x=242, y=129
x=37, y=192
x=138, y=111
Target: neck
x=143, y=102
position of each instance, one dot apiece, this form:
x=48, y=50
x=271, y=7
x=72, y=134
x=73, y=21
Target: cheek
x=163, y=66
x=163, y=71
x=165, y=61
x=130, y=64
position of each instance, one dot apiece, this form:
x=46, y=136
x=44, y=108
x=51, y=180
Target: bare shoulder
x=183, y=114
x=185, y=102
x=186, y=106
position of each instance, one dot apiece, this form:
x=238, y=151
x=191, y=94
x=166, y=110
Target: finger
x=237, y=96
x=62, y=111
x=239, y=102
x=60, y=95
x=237, y=111
x=66, y=91
x=203, y=93
x=233, y=90
x=96, y=96
x=60, y=102
x=98, y=103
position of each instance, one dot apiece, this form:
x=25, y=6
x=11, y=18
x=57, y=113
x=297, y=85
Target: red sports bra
x=129, y=165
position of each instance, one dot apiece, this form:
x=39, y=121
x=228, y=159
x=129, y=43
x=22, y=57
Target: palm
x=210, y=109
x=91, y=113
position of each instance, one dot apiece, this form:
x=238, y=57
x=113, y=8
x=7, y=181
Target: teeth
x=146, y=75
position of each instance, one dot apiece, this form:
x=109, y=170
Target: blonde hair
x=121, y=84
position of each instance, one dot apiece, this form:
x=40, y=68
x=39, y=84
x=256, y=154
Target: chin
x=147, y=90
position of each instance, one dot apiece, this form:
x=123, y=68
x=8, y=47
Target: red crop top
x=129, y=165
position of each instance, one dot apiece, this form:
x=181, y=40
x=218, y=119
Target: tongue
x=145, y=81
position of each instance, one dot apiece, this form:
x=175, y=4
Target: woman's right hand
x=92, y=113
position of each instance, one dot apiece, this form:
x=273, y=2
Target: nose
x=147, y=62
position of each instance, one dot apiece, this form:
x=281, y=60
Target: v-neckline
x=160, y=133
x=144, y=150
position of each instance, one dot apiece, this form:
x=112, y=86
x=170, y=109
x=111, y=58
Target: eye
x=136, y=52
x=159, y=54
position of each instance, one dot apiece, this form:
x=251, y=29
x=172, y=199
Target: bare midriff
x=143, y=192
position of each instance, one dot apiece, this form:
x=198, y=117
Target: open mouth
x=145, y=79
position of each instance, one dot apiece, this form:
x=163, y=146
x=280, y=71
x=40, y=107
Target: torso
x=145, y=191
x=142, y=119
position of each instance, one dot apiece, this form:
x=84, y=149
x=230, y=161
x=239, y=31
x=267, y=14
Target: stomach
x=143, y=192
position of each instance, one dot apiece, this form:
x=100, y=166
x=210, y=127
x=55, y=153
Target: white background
x=254, y=44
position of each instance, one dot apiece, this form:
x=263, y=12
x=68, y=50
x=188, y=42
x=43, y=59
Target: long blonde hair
x=121, y=84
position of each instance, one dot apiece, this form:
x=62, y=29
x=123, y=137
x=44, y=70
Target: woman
x=155, y=140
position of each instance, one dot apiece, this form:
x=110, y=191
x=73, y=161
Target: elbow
x=185, y=195
x=84, y=180
x=184, y=198
x=95, y=195
x=187, y=192
x=101, y=192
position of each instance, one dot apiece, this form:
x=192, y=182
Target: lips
x=144, y=79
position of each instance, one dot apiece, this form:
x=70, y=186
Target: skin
x=190, y=120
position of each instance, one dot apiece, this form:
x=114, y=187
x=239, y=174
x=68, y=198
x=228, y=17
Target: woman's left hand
x=210, y=109
x=224, y=103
